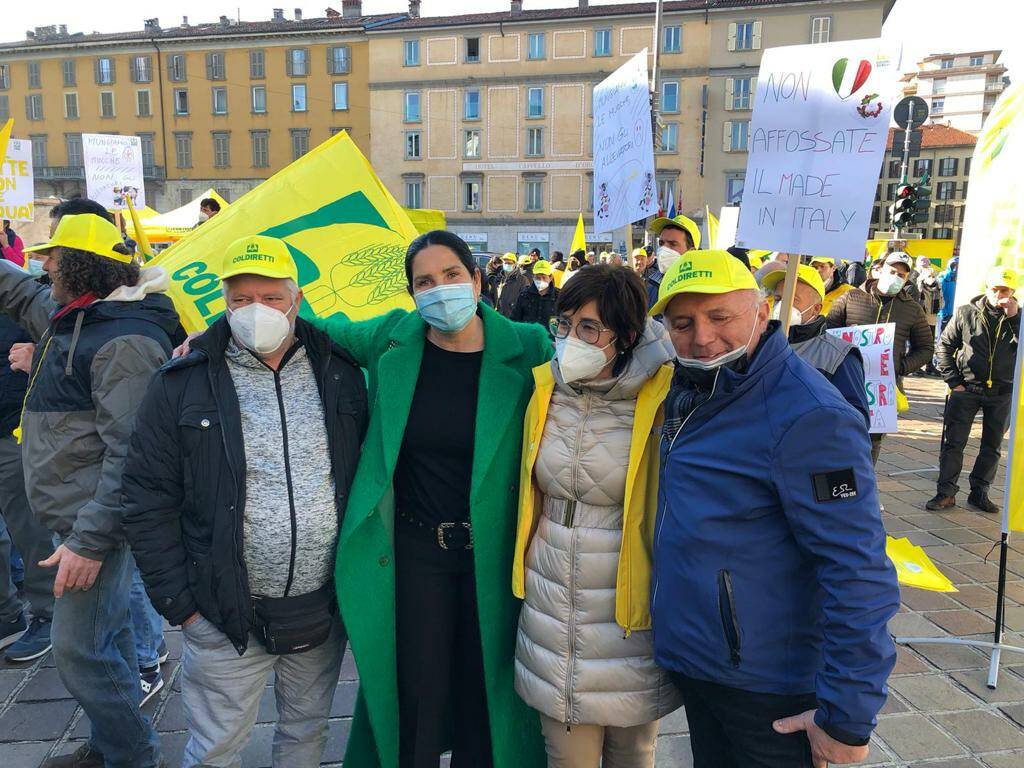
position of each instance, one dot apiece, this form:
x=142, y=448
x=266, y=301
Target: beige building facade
x=959, y=88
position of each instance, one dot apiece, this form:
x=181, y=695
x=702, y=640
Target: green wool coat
x=391, y=349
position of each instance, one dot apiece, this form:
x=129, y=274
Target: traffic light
x=923, y=196
x=912, y=203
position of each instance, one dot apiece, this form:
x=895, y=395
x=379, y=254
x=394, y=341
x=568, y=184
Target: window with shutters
x=34, y=106
x=735, y=135
x=143, y=103
x=472, y=50
x=69, y=73
x=176, y=68
x=535, y=46
x=412, y=145
x=921, y=167
x=259, y=99
x=5, y=76
x=977, y=61
x=260, y=148
x=946, y=190
x=471, y=194
x=340, y=96
x=821, y=29
x=104, y=71
x=967, y=166
x=300, y=142
x=71, y=106
x=107, y=104
x=216, y=69
x=938, y=106
x=669, y=138
x=534, y=142
x=738, y=91
x=890, y=191
x=298, y=62
x=73, y=148
x=534, y=195
x=147, y=147
x=669, y=96
x=744, y=36
x=299, y=97
x=875, y=214
x=414, y=194
x=221, y=149
x=471, y=106
x=39, y=153
x=412, y=107
x=602, y=42
x=257, y=65
x=181, y=101
x=34, y=78
x=942, y=233
x=339, y=60
x=220, y=100
x=535, y=102
x=411, y=53
x=5, y=107
x=734, y=187
x=183, y=149
x=947, y=166
x=895, y=168
x=938, y=85
x=142, y=69
x=471, y=143
x=946, y=64
x=672, y=40
x=943, y=213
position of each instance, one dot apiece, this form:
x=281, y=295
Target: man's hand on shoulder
x=824, y=749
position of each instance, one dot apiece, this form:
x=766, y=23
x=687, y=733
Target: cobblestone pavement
x=939, y=713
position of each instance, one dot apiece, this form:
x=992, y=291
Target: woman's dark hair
x=578, y=254
x=78, y=205
x=211, y=203
x=556, y=256
x=439, y=237
x=82, y=272
x=621, y=304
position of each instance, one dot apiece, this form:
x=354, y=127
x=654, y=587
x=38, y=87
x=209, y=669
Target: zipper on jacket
x=727, y=611
x=288, y=481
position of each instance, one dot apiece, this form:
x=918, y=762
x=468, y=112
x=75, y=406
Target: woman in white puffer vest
x=588, y=500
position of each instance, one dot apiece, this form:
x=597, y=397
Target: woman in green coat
x=426, y=546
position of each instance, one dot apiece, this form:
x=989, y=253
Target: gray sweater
x=277, y=451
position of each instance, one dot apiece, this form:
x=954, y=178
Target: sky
x=922, y=26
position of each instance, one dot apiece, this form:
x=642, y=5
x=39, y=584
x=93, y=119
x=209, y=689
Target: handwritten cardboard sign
x=816, y=144
x=624, y=184
x=113, y=170
x=875, y=345
x=17, y=190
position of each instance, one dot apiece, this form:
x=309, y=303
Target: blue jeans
x=95, y=655
x=147, y=624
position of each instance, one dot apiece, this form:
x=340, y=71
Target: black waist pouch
x=294, y=624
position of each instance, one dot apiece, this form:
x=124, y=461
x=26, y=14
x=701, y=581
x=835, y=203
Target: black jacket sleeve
x=922, y=342
x=950, y=341
x=152, y=497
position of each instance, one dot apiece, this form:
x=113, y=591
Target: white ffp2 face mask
x=796, y=317
x=259, y=328
x=666, y=258
x=578, y=360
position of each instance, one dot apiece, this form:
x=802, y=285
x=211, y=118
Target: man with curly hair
x=102, y=329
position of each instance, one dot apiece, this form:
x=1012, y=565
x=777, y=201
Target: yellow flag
x=994, y=236
x=426, y=220
x=5, y=136
x=140, y=232
x=346, y=232
x=712, y=228
x=914, y=568
x=579, y=238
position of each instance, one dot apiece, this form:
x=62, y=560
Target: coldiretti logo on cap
x=252, y=253
x=687, y=272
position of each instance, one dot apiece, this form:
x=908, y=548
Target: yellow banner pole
x=140, y=234
x=5, y=137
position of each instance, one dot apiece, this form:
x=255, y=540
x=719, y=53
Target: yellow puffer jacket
x=633, y=581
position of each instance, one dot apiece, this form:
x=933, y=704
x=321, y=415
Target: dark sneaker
x=982, y=502
x=151, y=682
x=10, y=631
x=162, y=652
x=940, y=502
x=33, y=644
x=83, y=757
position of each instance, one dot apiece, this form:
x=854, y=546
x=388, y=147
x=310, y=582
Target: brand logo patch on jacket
x=837, y=485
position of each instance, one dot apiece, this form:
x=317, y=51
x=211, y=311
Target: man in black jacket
x=976, y=355
x=536, y=303
x=234, y=491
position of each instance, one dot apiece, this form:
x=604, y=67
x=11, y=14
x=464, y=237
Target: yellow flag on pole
x=345, y=231
x=140, y=233
x=914, y=568
x=994, y=236
x=712, y=228
x=5, y=136
x=579, y=238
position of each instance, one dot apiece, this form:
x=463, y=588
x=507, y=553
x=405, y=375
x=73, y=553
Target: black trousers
x=732, y=728
x=961, y=408
x=442, y=701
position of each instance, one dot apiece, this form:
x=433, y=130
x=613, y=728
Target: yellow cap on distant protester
x=678, y=221
x=804, y=273
x=543, y=268
x=259, y=255
x=509, y=257
x=709, y=272
x=1002, y=276
x=525, y=260
x=86, y=232
x=639, y=252
x=822, y=260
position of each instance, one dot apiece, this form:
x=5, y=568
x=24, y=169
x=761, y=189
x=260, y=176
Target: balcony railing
x=57, y=172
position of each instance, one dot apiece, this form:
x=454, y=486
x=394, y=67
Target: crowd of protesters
x=548, y=507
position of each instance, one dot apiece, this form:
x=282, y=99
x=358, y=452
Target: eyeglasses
x=588, y=331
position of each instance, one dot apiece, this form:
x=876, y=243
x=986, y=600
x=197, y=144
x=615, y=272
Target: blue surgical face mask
x=449, y=308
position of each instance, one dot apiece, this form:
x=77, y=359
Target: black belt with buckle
x=449, y=536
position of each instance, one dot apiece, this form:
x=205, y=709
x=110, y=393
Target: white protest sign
x=624, y=184
x=875, y=345
x=113, y=169
x=17, y=189
x=728, y=218
x=816, y=144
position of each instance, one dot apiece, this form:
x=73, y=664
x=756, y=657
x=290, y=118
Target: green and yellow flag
x=345, y=231
x=426, y=220
x=994, y=236
x=579, y=239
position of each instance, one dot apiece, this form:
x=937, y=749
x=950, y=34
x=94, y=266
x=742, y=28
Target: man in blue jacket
x=772, y=588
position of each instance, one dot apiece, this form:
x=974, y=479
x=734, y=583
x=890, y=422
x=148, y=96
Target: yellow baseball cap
x=86, y=232
x=804, y=273
x=509, y=257
x=259, y=255
x=997, y=276
x=525, y=260
x=679, y=221
x=542, y=268
x=823, y=260
x=709, y=272
x=638, y=252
